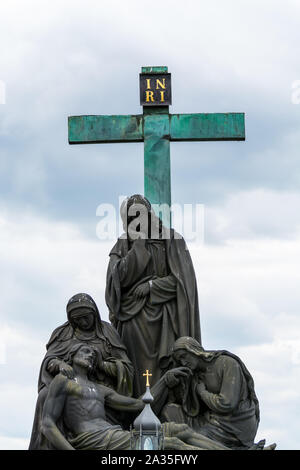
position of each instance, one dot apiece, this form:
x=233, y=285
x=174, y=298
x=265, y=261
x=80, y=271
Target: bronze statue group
x=91, y=379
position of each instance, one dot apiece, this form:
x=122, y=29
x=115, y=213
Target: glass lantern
x=146, y=440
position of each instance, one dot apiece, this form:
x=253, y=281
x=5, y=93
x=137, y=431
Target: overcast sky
x=62, y=58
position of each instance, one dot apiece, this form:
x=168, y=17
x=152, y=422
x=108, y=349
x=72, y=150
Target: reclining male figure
x=74, y=412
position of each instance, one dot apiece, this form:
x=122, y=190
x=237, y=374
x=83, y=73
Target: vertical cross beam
x=157, y=171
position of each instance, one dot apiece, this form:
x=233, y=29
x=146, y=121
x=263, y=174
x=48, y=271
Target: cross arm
x=210, y=126
x=105, y=129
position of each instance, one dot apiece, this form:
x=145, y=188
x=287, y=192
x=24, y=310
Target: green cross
x=156, y=127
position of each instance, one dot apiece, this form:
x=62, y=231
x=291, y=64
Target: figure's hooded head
x=82, y=309
x=139, y=217
x=187, y=350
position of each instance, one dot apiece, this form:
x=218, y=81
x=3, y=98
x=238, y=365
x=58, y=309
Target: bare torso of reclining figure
x=84, y=408
x=81, y=402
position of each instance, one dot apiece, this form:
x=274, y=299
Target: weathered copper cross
x=156, y=128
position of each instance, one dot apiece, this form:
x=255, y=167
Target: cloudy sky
x=62, y=58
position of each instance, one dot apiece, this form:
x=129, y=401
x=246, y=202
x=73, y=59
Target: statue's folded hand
x=173, y=376
x=142, y=290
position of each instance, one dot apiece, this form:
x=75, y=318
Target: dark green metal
x=104, y=129
x=157, y=172
x=160, y=69
x=156, y=128
x=155, y=110
x=215, y=126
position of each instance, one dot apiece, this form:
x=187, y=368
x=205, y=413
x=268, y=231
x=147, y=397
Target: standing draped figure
x=151, y=292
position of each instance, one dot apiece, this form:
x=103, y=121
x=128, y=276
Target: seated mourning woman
x=83, y=325
x=216, y=399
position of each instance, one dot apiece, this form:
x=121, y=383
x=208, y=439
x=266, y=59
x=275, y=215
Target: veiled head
x=139, y=218
x=189, y=353
x=82, y=312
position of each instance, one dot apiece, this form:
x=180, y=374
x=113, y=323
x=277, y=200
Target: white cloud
x=276, y=371
x=13, y=443
x=39, y=257
x=77, y=57
x=255, y=213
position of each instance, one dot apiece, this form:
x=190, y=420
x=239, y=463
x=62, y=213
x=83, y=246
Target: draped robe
x=227, y=411
x=149, y=326
x=117, y=373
